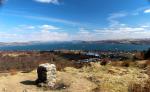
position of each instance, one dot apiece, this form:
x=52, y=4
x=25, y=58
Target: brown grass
x=94, y=78
x=29, y=61
x=136, y=87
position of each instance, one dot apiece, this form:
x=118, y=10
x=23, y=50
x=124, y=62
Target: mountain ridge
x=119, y=41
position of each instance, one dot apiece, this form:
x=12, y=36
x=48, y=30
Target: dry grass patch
x=137, y=87
x=114, y=79
x=95, y=78
x=75, y=82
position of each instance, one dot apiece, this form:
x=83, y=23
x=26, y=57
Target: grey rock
x=46, y=75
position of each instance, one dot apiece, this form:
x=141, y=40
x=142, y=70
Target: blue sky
x=65, y=20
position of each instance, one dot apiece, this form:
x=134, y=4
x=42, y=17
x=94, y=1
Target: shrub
x=147, y=54
x=24, y=62
x=27, y=61
x=126, y=64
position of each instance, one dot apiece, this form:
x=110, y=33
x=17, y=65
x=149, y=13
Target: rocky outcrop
x=46, y=75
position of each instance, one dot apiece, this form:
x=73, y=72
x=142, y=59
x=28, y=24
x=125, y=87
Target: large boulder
x=46, y=75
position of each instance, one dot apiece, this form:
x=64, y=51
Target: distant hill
x=17, y=43
x=123, y=41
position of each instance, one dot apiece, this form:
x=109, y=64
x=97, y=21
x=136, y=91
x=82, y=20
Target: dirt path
x=21, y=82
x=24, y=82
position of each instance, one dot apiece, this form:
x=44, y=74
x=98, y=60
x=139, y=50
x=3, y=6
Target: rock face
x=46, y=75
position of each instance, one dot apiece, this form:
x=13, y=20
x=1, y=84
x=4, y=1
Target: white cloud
x=120, y=32
x=147, y=11
x=123, y=32
x=45, y=27
x=41, y=18
x=113, y=18
x=83, y=34
x=49, y=36
x=35, y=36
x=52, y=20
x=48, y=1
x=38, y=33
x=138, y=11
x=48, y=27
x=27, y=27
x=116, y=30
x=30, y=27
x=7, y=35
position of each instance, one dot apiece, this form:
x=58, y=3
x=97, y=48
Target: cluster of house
x=100, y=56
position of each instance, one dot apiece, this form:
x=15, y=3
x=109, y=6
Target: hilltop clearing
x=93, y=78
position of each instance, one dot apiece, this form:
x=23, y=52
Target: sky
x=67, y=20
